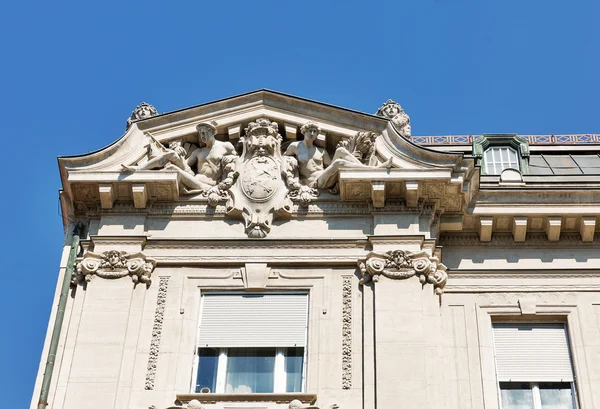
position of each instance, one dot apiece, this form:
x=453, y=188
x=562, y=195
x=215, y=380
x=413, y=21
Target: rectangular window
x=497, y=159
x=534, y=368
x=252, y=343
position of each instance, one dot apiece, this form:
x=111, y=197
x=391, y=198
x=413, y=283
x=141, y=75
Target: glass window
x=533, y=366
x=250, y=370
x=251, y=343
x=497, y=159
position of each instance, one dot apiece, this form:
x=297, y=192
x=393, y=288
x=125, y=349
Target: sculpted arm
x=326, y=159
x=191, y=161
x=229, y=148
x=291, y=150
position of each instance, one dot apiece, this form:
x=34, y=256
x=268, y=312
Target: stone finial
x=393, y=111
x=142, y=111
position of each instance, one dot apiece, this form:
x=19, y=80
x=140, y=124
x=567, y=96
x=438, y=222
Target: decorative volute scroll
x=142, y=111
x=394, y=112
x=399, y=264
x=114, y=264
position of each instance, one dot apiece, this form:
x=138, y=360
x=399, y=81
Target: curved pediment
x=258, y=143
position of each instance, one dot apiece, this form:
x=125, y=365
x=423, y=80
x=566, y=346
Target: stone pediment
x=259, y=167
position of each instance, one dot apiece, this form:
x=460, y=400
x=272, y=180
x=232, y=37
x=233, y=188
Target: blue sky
x=71, y=73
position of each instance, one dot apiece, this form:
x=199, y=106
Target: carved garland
x=114, y=264
x=399, y=264
x=346, y=332
x=161, y=300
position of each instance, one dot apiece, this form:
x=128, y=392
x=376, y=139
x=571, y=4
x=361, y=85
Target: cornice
x=505, y=240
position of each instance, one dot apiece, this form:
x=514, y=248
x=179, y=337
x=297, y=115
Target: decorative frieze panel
x=159, y=314
x=346, y=332
x=114, y=264
x=399, y=264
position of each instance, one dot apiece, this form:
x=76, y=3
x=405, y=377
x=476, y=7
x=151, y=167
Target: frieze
x=400, y=264
x=114, y=264
x=346, y=332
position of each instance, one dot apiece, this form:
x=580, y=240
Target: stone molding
x=400, y=264
x=114, y=264
x=307, y=398
x=507, y=240
x=318, y=207
x=161, y=300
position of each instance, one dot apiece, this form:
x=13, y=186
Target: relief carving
x=114, y=264
x=260, y=192
x=159, y=314
x=399, y=264
x=394, y=112
x=346, y=332
x=208, y=170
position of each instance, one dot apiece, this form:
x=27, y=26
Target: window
x=533, y=364
x=497, y=159
x=497, y=152
x=251, y=343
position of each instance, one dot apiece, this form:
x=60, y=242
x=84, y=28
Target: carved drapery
x=399, y=264
x=114, y=264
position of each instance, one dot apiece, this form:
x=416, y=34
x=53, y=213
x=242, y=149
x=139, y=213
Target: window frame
x=544, y=314
x=514, y=141
x=279, y=373
x=534, y=385
x=510, y=163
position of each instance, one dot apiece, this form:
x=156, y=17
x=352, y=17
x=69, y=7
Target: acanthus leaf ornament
x=114, y=264
x=400, y=264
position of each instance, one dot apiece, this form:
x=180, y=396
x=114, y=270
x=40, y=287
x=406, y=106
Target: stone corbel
x=399, y=264
x=114, y=264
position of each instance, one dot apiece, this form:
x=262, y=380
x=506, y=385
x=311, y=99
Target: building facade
x=267, y=251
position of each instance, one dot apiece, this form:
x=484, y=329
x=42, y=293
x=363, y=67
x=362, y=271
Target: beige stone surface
x=526, y=253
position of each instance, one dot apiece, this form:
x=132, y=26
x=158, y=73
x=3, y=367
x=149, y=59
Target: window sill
x=307, y=398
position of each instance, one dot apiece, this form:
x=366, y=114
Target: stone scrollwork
x=394, y=112
x=114, y=264
x=399, y=264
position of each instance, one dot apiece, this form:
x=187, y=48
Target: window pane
x=250, y=370
x=294, y=359
x=556, y=395
x=497, y=159
x=207, y=369
x=515, y=395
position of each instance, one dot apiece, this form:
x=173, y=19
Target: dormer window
x=497, y=159
x=495, y=153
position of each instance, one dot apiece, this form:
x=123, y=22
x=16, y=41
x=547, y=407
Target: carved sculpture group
x=210, y=169
x=262, y=180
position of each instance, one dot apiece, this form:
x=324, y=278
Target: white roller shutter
x=253, y=320
x=532, y=353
